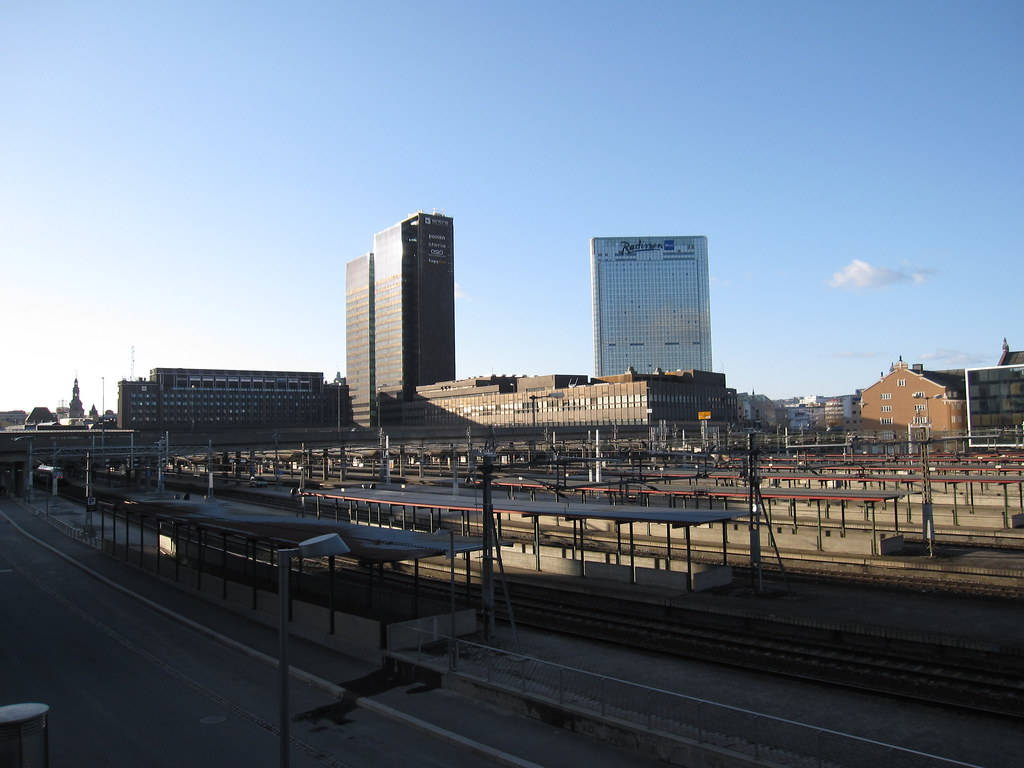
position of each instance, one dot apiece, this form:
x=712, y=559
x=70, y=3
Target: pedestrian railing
x=756, y=735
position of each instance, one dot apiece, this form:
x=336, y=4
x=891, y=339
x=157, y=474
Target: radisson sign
x=627, y=248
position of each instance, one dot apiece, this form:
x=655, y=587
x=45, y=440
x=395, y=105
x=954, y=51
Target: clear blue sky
x=190, y=178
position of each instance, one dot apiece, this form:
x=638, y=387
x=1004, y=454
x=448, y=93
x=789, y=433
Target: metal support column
x=632, y=558
x=536, y=541
x=689, y=562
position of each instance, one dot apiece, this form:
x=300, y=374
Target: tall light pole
x=325, y=545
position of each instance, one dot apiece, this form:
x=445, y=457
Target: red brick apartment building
x=912, y=396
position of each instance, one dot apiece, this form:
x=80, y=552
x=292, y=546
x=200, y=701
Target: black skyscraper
x=400, y=313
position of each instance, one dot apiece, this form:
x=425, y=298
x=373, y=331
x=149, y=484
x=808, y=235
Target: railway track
x=896, y=574
x=981, y=678
x=969, y=682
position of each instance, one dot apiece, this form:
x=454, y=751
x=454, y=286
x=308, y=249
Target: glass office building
x=651, y=303
x=359, y=297
x=400, y=313
x=995, y=405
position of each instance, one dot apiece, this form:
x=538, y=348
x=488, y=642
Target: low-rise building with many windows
x=676, y=397
x=910, y=396
x=842, y=412
x=208, y=398
x=758, y=411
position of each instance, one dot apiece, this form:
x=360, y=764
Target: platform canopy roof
x=632, y=514
x=365, y=542
x=570, y=510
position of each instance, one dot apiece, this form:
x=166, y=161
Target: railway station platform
x=889, y=614
x=901, y=608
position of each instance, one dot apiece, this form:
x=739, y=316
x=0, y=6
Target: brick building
x=911, y=396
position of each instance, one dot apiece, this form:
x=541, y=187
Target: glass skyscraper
x=651, y=304
x=400, y=313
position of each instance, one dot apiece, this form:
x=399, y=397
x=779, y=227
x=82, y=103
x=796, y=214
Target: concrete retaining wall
x=428, y=629
x=709, y=577
x=657, y=578
x=805, y=538
x=619, y=573
x=650, y=571
x=668, y=748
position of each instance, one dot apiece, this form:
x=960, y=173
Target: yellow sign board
x=703, y=415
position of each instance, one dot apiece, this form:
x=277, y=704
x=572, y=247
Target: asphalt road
x=128, y=686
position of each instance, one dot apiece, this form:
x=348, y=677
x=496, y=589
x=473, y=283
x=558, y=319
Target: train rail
x=986, y=679
x=918, y=674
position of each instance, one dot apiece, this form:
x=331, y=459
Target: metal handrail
x=646, y=689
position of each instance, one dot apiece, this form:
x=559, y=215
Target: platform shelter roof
x=527, y=508
x=365, y=542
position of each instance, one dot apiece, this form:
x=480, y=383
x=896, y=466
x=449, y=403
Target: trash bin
x=24, y=742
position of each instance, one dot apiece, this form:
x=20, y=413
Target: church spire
x=75, y=408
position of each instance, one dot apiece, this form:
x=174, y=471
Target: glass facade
x=995, y=404
x=401, y=313
x=359, y=298
x=651, y=304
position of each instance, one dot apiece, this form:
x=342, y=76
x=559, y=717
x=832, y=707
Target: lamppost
x=325, y=545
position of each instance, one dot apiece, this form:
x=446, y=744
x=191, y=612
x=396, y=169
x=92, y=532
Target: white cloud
x=921, y=275
x=860, y=274
x=459, y=293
